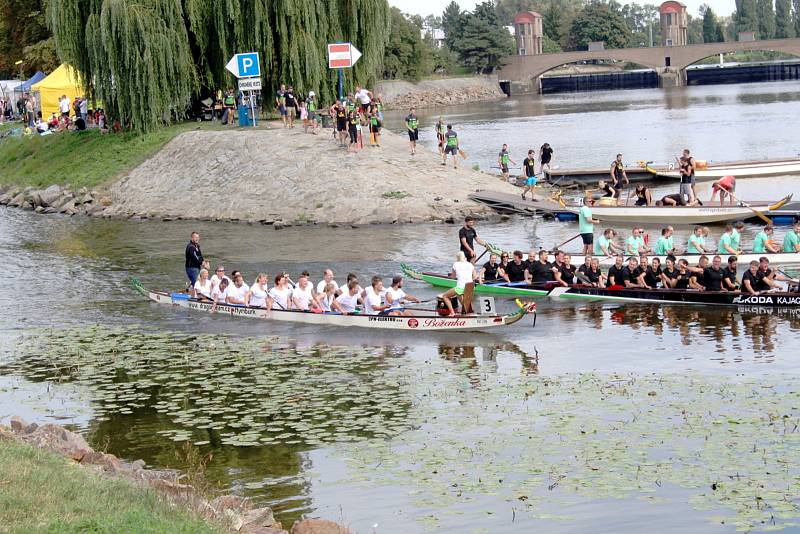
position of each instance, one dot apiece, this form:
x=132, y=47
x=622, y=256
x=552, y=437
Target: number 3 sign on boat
x=247, y=68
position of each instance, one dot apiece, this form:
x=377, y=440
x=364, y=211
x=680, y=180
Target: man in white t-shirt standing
x=64, y=106
x=364, y=98
x=464, y=272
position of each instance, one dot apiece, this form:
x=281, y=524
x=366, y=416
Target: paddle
x=573, y=238
x=751, y=208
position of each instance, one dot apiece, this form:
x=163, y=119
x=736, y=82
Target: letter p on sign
x=248, y=65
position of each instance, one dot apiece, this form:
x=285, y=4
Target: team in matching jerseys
x=285, y=294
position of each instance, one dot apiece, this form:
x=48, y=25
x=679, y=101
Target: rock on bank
x=284, y=177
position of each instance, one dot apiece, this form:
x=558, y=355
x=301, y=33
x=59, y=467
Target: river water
x=599, y=417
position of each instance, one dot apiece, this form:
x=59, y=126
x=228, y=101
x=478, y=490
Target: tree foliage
x=407, y=55
x=796, y=16
x=597, y=22
x=24, y=36
x=712, y=28
x=746, y=16
x=147, y=58
x=766, y=19
x=480, y=40
x=783, y=19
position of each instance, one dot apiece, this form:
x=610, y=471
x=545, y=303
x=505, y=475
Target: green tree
x=694, y=30
x=712, y=29
x=796, y=15
x=452, y=23
x=507, y=9
x=148, y=58
x=766, y=19
x=746, y=16
x=553, y=23
x=406, y=55
x=483, y=41
x=597, y=22
x=783, y=19
x=549, y=46
x=642, y=19
x=23, y=36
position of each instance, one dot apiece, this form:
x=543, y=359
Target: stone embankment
x=398, y=94
x=235, y=513
x=284, y=177
x=55, y=199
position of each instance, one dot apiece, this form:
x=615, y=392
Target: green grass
x=85, y=159
x=41, y=492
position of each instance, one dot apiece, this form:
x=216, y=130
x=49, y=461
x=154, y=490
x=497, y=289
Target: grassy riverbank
x=42, y=492
x=85, y=159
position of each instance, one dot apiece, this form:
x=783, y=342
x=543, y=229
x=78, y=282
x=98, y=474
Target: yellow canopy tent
x=62, y=81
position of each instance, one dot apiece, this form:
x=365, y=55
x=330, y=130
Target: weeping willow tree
x=148, y=58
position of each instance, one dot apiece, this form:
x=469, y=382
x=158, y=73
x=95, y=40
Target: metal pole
x=341, y=83
x=253, y=106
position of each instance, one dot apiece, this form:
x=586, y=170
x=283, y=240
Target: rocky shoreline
x=237, y=514
x=280, y=178
x=398, y=94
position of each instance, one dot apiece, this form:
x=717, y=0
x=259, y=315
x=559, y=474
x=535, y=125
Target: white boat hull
x=745, y=169
x=669, y=214
x=417, y=323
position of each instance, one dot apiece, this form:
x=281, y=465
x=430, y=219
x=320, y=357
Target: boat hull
x=667, y=296
x=501, y=290
x=670, y=214
x=417, y=323
x=744, y=169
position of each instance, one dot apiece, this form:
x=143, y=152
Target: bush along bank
x=57, y=482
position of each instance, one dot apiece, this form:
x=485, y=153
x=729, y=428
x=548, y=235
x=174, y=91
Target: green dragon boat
x=504, y=289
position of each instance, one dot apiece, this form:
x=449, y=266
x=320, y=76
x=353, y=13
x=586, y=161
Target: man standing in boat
x=466, y=238
x=194, y=258
x=586, y=225
x=686, y=165
x=618, y=175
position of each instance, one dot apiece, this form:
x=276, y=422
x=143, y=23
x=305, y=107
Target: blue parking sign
x=248, y=65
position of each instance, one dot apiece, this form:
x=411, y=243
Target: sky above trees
x=435, y=7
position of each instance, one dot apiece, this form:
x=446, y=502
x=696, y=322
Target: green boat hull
x=485, y=289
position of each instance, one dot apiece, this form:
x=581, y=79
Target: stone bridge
x=669, y=62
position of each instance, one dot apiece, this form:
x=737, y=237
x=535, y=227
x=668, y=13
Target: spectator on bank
x=64, y=106
x=83, y=109
x=291, y=105
x=229, y=104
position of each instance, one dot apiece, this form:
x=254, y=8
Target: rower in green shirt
x=736, y=235
x=763, y=243
x=664, y=245
x=635, y=244
x=791, y=242
x=725, y=245
x=697, y=241
x=605, y=245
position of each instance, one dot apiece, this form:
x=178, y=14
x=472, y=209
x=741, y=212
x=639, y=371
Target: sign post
x=342, y=56
x=247, y=68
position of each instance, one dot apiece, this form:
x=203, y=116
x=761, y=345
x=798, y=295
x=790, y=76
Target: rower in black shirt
x=591, y=272
x=750, y=281
x=652, y=275
x=561, y=272
x=697, y=279
x=670, y=273
x=541, y=270
x=516, y=269
x=684, y=275
x=729, y=274
x=631, y=273
x=615, y=272
x=492, y=271
x=713, y=276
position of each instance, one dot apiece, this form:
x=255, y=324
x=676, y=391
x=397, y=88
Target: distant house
x=435, y=34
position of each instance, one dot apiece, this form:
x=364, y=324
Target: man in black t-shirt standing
x=194, y=258
x=467, y=237
x=291, y=105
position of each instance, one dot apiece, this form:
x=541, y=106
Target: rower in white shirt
x=347, y=302
x=327, y=278
x=237, y=293
x=219, y=294
x=257, y=296
x=280, y=294
x=203, y=286
x=395, y=296
x=373, y=297
x=303, y=294
x=219, y=274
